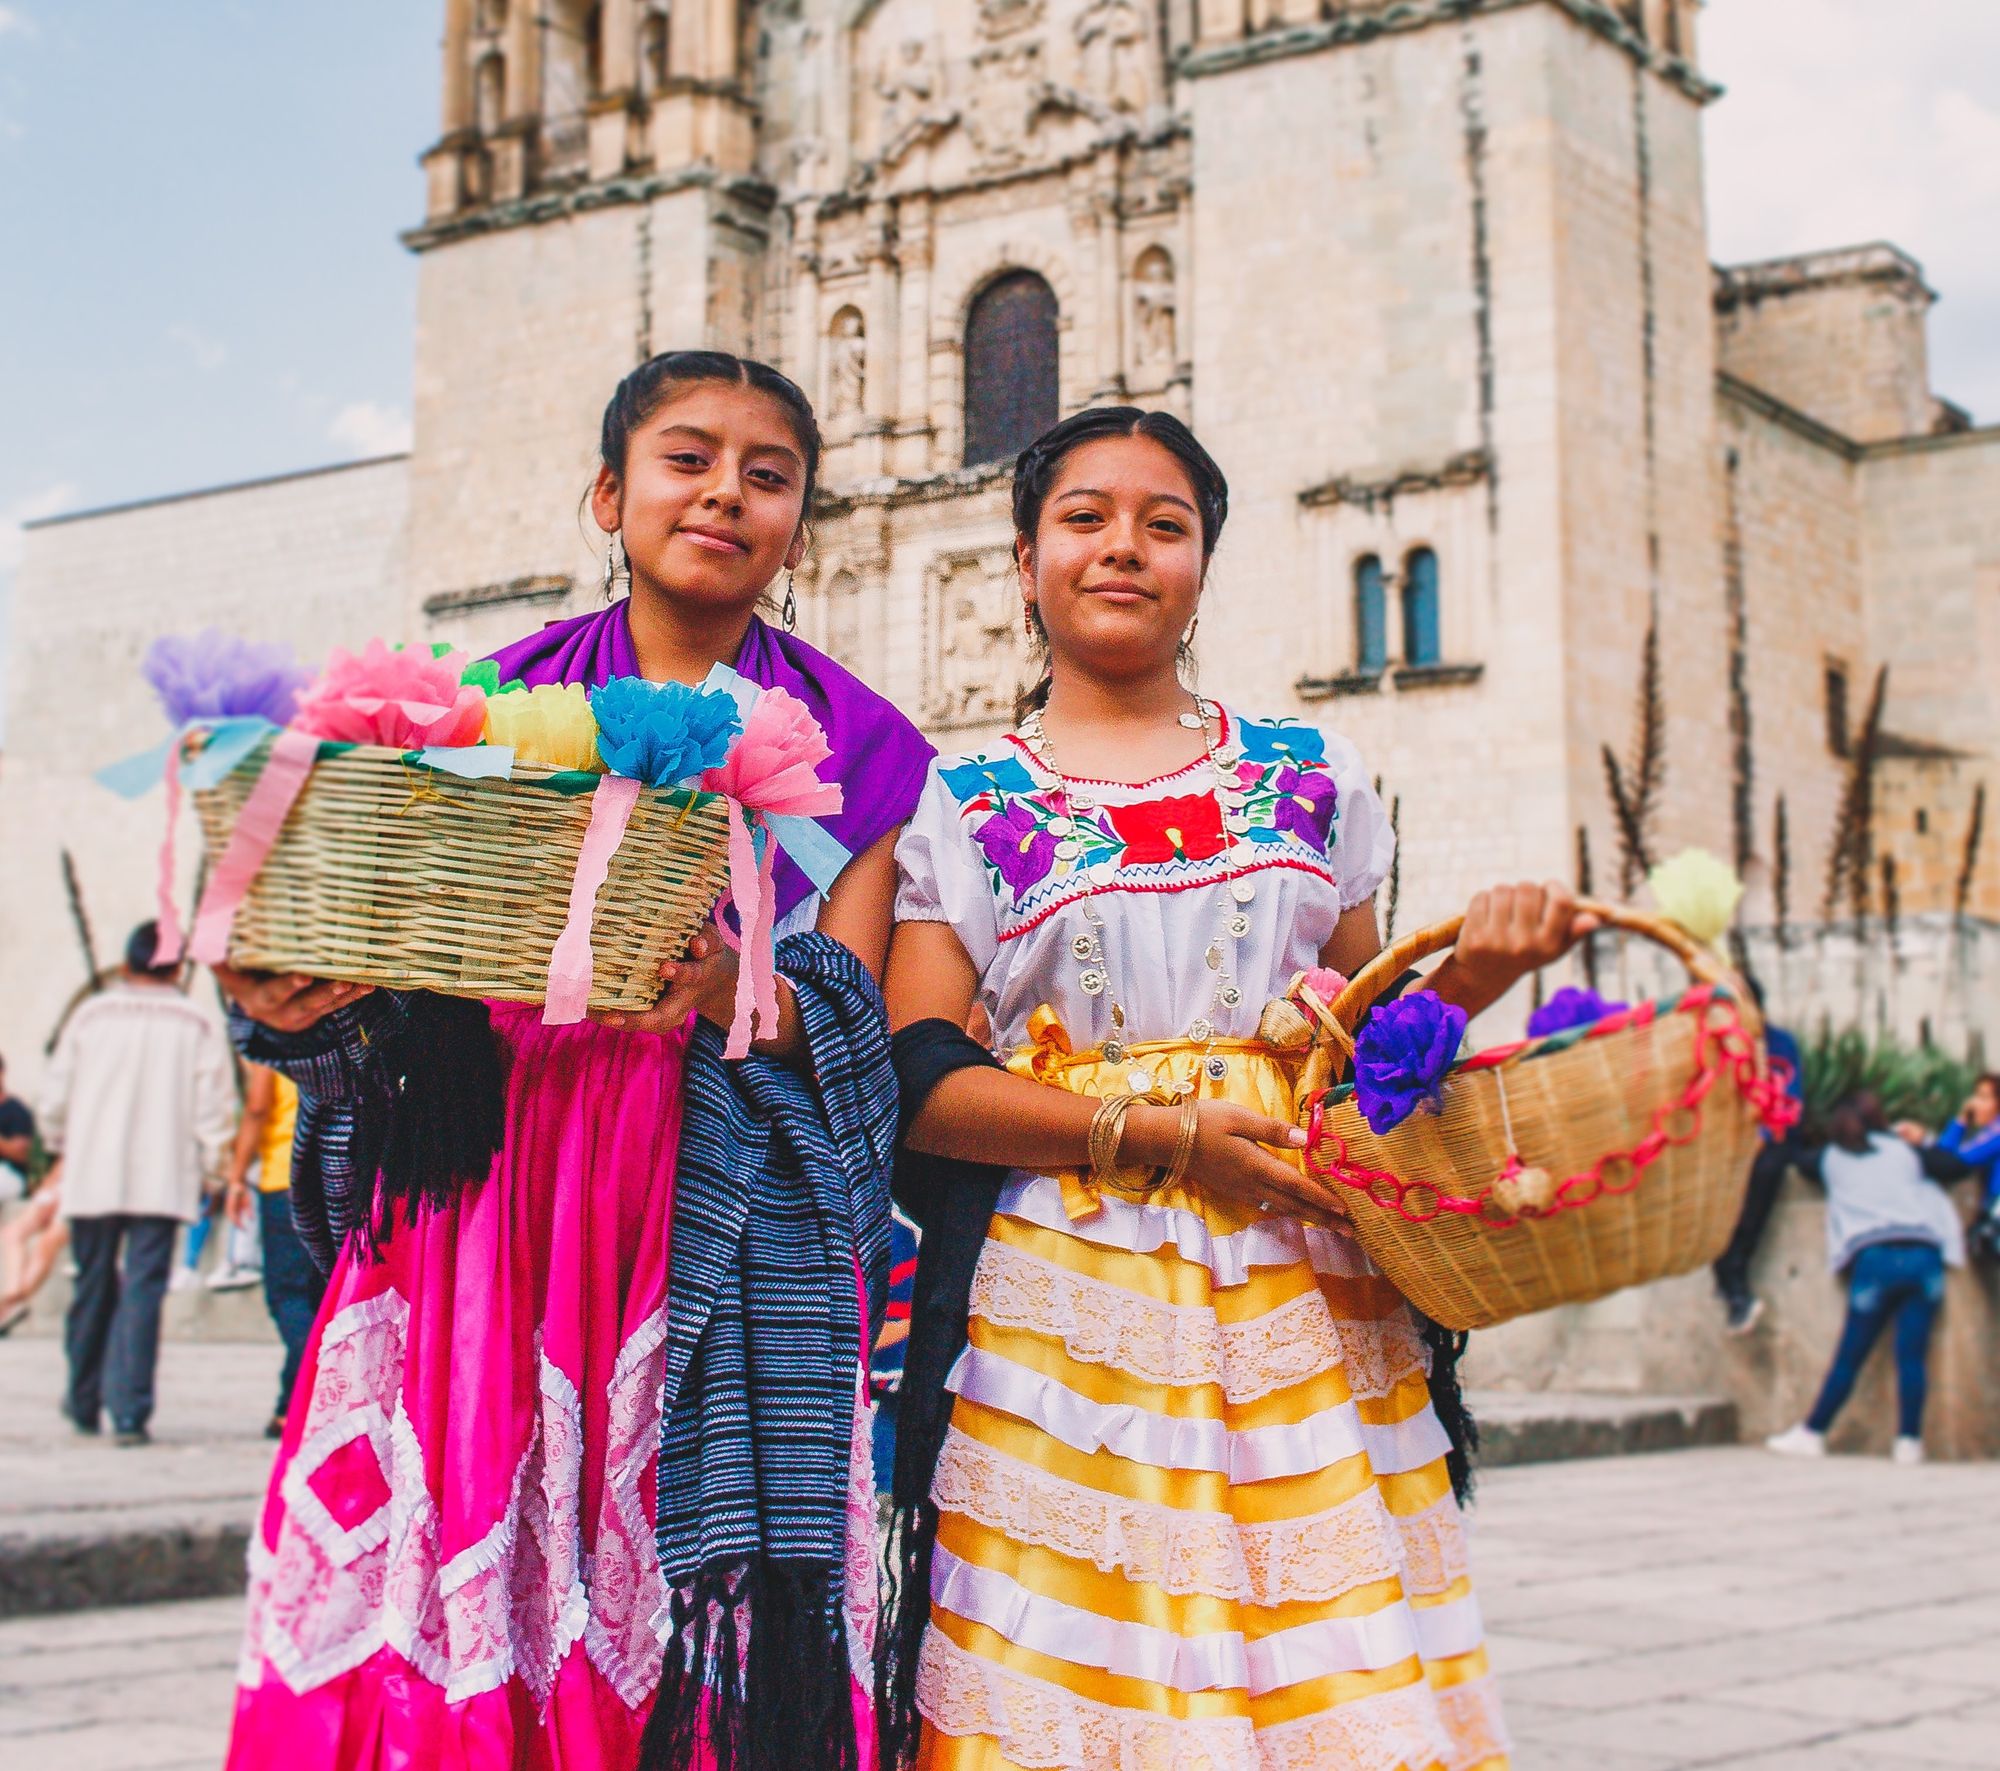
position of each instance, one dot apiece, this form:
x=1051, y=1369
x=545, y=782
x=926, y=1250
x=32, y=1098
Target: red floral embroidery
x=1185, y=827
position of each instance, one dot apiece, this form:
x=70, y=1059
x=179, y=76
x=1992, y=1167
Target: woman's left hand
x=703, y=982
x=1509, y=932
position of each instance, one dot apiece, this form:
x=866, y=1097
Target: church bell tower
x=589, y=201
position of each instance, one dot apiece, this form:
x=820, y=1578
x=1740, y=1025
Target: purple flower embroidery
x=1020, y=848
x=1570, y=1007
x=1305, y=805
x=1402, y=1056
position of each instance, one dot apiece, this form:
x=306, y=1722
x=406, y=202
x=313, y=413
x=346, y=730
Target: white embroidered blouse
x=980, y=855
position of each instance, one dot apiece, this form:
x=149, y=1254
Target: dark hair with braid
x=658, y=379
x=1039, y=463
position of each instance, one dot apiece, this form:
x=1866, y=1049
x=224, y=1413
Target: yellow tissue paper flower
x=1698, y=891
x=549, y=724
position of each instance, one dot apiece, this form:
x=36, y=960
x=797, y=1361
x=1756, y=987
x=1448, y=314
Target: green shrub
x=1913, y=1082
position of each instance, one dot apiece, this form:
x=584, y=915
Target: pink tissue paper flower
x=402, y=697
x=771, y=766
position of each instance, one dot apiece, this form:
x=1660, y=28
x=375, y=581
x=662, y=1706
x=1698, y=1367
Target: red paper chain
x=1722, y=1047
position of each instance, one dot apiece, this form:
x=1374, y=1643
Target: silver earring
x=612, y=549
x=791, y=615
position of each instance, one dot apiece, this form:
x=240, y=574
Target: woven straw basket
x=1562, y=1169
x=393, y=874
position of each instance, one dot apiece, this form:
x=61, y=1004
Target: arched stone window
x=1012, y=381
x=1371, y=617
x=489, y=89
x=1420, y=607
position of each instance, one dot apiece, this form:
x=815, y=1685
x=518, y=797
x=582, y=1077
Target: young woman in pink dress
x=579, y=1477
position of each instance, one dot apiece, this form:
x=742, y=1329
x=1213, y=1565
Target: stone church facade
x=1431, y=280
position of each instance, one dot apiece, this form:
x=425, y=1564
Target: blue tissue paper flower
x=662, y=733
x=1570, y=1007
x=1402, y=1055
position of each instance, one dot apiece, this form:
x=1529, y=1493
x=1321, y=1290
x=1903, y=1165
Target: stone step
x=1548, y=1426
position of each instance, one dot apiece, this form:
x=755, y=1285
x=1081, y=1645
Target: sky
x=200, y=279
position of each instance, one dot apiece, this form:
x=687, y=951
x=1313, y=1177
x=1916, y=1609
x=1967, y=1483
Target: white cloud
x=369, y=428
x=15, y=23
x=48, y=502
x=1848, y=121
x=209, y=354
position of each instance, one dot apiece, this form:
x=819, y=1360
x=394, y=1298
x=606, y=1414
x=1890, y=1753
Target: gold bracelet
x=1183, y=1144
x=1107, y=1131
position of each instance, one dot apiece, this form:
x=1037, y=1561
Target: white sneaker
x=1799, y=1441
x=1907, y=1451
x=185, y=1279
x=234, y=1278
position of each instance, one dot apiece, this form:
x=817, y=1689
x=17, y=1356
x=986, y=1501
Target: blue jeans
x=1903, y=1280
x=293, y=1287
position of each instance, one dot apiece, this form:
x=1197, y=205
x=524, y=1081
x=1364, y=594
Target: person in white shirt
x=141, y=1103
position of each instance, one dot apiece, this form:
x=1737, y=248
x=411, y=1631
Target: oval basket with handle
x=1561, y=1169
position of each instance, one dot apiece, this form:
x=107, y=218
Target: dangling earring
x=791, y=614
x=1028, y=618
x=1187, y=639
x=612, y=550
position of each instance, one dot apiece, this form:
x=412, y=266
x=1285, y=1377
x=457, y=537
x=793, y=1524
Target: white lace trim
x=1043, y=1726
x=861, y=1597
x=514, y=1602
x=1100, y=1323
x=1316, y=1558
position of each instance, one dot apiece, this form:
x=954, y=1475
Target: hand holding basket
x=1561, y=1169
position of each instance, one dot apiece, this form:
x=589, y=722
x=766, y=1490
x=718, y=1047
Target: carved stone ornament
x=1004, y=18
x=1005, y=85
x=1111, y=36
x=972, y=623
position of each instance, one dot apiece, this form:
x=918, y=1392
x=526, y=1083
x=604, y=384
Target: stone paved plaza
x=1709, y=1607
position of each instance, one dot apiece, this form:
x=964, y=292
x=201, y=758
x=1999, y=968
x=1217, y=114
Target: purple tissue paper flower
x=1570, y=1007
x=1402, y=1055
x=215, y=675
x=1021, y=849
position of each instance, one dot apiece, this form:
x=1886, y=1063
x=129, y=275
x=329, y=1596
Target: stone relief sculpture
x=1005, y=84
x=908, y=86
x=1111, y=34
x=972, y=614
x=1155, y=308
x=846, y=363
x=1003, y=18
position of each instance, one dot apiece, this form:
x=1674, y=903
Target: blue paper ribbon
x=229, y=742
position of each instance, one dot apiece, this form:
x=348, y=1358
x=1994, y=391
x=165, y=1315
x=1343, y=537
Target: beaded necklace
x=1233, y=920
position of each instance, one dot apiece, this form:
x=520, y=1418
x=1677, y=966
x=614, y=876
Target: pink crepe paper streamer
x=571, y=967
x=768, y=769
x=169, y=950
x=278, y=787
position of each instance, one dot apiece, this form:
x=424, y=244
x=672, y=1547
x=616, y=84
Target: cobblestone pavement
x=1689, y=1609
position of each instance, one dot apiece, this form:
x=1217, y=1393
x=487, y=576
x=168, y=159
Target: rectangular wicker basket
x=387, y=872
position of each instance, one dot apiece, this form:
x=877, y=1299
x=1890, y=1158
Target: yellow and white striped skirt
x=1194, y=1512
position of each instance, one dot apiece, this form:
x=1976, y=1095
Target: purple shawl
x=878, y=756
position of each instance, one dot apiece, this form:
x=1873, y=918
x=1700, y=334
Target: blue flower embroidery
x=1005, y=774
x=1282, y=741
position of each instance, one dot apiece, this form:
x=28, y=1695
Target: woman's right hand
x=1229, y=1153
x=286, y=1002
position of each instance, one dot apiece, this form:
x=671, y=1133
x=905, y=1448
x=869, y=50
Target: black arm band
x=925, y=1053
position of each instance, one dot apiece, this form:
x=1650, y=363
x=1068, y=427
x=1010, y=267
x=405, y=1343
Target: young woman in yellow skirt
x=1191, y=1509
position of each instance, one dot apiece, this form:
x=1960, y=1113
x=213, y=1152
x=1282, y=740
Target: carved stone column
x=914, y=251
x=1110, y=286
x=612, y=110
x=805, y=299
x=884, y=375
